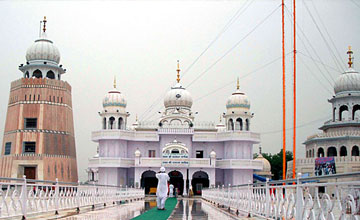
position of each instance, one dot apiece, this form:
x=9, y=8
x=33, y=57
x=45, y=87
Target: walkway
x=185, y=209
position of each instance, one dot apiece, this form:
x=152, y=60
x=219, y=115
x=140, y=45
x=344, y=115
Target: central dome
x=178, y=96
x=43, y=49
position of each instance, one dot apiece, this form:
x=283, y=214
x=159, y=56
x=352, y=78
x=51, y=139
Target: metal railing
x=322, y=198
x=24, y=197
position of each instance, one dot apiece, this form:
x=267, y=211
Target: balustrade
x=24, y=197
x=300, y=198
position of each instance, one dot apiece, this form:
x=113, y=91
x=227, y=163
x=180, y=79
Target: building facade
x=39, y=139
x=195, y=154
x=340, y=136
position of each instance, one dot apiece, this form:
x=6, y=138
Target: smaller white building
x=340, y=136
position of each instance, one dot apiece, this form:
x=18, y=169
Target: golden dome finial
x=114, y=82
x=238, y=84
x=44, y=21
x=350, y=57
x=178, y=72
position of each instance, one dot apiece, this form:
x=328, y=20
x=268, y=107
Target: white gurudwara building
x=196, y=154
x=339, y=141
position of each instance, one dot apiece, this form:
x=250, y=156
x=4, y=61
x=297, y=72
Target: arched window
x=231, y=124
x=104, y=123
x=334, y=114
x=50, y=74
x=175, y=151
x=27, y=75
x=37, y=73
x=355, y=151
x=307, y=153
x=356, y=113
x=247, y=124
x=343, y=151
x=331, y=152
x=120, y=123
x=239, y=124
x=343, y=113
x=320, y=152
x=111, y=122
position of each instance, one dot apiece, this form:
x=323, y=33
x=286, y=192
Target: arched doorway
x=176, y=178
x=149, y=181
x=200, y=180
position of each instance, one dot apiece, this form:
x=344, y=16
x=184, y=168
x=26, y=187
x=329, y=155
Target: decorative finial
x=350, y=57
x=178, y=72
x=220, y=118
x=44, y=27
x=114, y=82
x=260, y=149
x=238, y=84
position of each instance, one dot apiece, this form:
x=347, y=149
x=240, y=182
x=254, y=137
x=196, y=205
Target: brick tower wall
x=49, y=101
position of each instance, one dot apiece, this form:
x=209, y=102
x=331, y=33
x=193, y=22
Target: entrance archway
x=149, y=181
x=176, y=178
x=200, y=180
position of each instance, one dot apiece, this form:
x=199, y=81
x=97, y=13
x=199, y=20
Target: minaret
x=114, y=114
x=39, y=139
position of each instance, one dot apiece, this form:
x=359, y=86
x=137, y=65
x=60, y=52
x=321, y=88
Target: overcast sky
x=139, y=43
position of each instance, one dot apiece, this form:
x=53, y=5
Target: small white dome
x=137, y=153
x=178, y=96
x=347, y=82
x=238, y=100
x=266, y=163
x=43, y=49
x=114, y=98
x=212, y=153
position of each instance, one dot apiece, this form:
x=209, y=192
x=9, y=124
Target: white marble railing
x=301, y=200
x=23, y=198
x=311, y=160
x=111, y=162
x=227, y=135
x=239, y=164
x=125, y=134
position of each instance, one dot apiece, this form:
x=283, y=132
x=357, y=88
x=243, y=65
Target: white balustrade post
x=78, y=193
x=93, y=196
x=299, y=198
x=267, y=198
x=24, y=197
x=56, y=196
x=249, y=198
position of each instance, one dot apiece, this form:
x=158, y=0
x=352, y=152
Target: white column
x=212, y=177
x=137, y=177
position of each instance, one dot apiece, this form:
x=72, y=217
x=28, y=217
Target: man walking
x=162, y=188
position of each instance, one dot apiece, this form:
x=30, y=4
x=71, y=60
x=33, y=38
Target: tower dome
x=266, y=163
x=178, y=96
x=238, y=100
x=43, y=49
x=114, y=98
x=349, y=81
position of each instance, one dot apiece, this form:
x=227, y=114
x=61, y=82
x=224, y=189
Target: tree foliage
x=276, y=162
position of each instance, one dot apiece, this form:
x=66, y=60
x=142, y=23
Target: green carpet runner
x=155, y=214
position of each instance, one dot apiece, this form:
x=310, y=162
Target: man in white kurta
x=162, y=188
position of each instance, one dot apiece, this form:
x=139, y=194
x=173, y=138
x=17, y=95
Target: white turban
x=162, y=169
